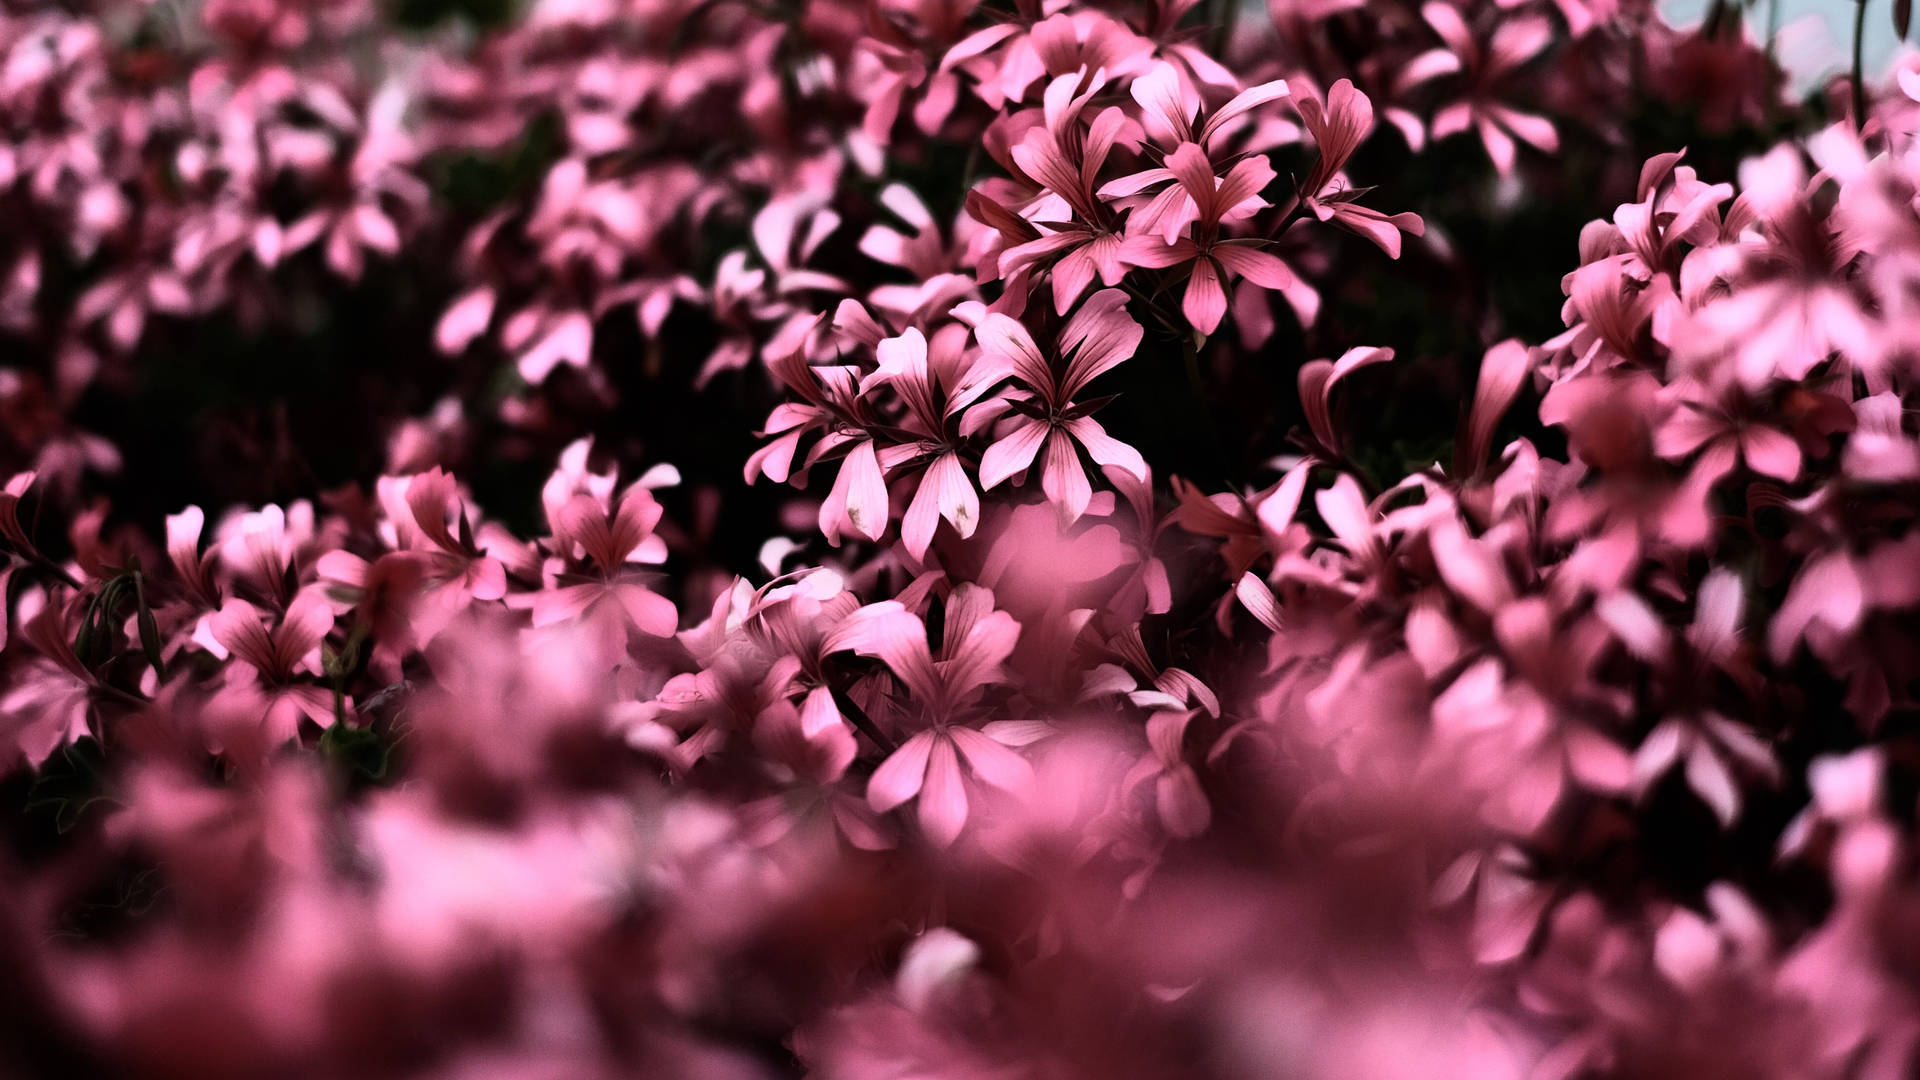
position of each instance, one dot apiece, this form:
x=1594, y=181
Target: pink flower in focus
x=1203, y=201
x=1042, y=419
x=269, y=696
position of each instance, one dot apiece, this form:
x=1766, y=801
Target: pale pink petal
x=1710, y=780
x=568, y=341
x=1205, y=302
x=1013, y=452
x=1245, y=101
x=565, y=604
x=650, y=612
x=900, y=776
x=1106, y=449
x=922, y=519
x=1259, y=601
x=1599, y=763
x=819, y=713
x=236, y=626
x=307, y=621
x=859, y=496
x=1344, y=509
x=465, y=320
x=1770, y=452
x=992, y=761
x=1827, y=591
x=1471, y=568
x=1063, y=479
x=943, y=798
x=1260, y=267
x=1503, y=371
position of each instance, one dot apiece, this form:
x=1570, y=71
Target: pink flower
x=1486, y=73
x=1178, y=798
x=1317, y=380
x=1338, y=131
x=271, y=698
x=1169, y=108
x=418, y=508
x=1045, y=421
x=935, y=389
x=598, y=540
x=1067, y=163
x=1714, y=424
x=1203, y=201
x=50, y=699
x=976, y=641
x=194, y=567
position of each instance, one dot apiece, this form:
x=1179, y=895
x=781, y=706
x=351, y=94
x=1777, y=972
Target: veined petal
x=1007, y=341
x=236, y=626
x=900, y=777
x=1063, y=479
x=1263, y=268
x=991, y=761
x=1245, y=101
x=859, y=496
x=958, y=502
x=1013, y=452
x=943, y=798
x=1165, y=106
x=1205, y=302
x=1106, y=449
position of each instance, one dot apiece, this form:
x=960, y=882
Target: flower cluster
x=1075, y=675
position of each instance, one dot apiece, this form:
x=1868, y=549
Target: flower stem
x=861, y=721
x=1859, y=67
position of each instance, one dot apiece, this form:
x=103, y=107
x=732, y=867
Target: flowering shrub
x=896, y=539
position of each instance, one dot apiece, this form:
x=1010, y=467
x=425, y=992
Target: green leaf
x=362, y=755
x=149, y=626
x=69, y=784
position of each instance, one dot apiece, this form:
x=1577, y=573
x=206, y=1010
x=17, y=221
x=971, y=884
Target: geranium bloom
x=1710, y=422
x=1170, y=109
x=271, y=695
x=1067, y=162
x=1486, y=70
x=598, y=541
x=944, y=688
x=1203, y=201
x=936, y=388
x=1042, y=418
x=1338, y=130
